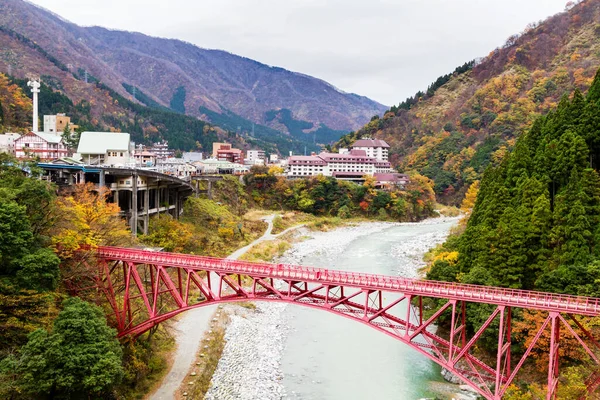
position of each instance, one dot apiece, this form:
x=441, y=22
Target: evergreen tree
x=80, y=358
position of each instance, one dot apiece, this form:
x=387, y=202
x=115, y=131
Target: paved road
x=192, y=325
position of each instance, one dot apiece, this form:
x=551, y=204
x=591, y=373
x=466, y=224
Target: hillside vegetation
x=536, y=223
x=453, y=131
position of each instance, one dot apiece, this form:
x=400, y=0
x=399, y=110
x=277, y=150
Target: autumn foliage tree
x=86, y=218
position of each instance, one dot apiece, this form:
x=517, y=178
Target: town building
x=375, y=148
x=46, y=146
x=176, y=167
x=105, y=148
x=57, y=123
x=226, y=153
x=216, y=146
x=7, y=142
x=161, y=150
x=391, y=180
x=274, y=158
x=192, y=156
x=255, y=157
x=144, y=158
x=213, y=166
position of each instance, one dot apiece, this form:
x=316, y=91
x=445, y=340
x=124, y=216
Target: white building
x=377, y=149
x=255, y=157
x=144, y=158
x=105, y=148
x=354, y=164
x=214, y=166
x=56, y=124
x=46, y=146
x=192, y=156
x=7, y=142
x=176, y=166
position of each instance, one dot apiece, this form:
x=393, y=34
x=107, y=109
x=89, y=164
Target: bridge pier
x=133, y=223
x=146, y=210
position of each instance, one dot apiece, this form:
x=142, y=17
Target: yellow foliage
x=86, y=219
x=451, y=257
x=275, y=170
x=470, y=197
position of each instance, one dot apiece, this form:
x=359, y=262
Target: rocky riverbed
x=250, y=366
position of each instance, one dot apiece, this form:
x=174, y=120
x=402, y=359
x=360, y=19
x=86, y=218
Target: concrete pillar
x=157, y=198
x=177, y=206
x=116, y=197
x=209, y=186
x=134, y=206
x=147, y=210
x=102, y=180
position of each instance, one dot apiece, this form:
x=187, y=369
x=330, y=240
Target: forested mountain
x=470, y=118
x=209, y=84
x=536, y=225
x=536, y=221
x=15, y=107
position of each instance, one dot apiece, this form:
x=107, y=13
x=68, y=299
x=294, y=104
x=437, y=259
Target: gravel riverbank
x=249, y=367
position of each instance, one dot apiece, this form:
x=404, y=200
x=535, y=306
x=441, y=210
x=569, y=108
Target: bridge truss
x=145, y=288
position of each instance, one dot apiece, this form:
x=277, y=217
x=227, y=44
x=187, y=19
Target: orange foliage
x=526, y=328
x=16, y=106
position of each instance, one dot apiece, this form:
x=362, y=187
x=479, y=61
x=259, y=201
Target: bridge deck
x=453, y=291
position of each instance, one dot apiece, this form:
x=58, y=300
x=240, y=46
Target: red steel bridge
x=145, y=288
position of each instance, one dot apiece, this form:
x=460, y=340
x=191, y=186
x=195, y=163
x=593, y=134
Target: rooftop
x=101, y=142
x=370, y=143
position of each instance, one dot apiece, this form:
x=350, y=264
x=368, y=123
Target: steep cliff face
x=452, y=132
x=171, y=71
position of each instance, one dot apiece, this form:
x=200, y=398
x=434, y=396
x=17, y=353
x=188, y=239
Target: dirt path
x=192, y=325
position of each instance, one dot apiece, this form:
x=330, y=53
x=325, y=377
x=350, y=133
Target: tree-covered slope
x=536, y=221
x=452, y=132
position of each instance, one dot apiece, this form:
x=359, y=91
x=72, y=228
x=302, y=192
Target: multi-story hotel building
x=355, y=163
x=374, y=148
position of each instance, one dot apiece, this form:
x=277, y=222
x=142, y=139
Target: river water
x=330, y=357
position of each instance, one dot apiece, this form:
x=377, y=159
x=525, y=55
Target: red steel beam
x=304, y=285
x=578, y=305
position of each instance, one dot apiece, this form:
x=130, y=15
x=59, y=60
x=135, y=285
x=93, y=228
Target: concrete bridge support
x=133, y=222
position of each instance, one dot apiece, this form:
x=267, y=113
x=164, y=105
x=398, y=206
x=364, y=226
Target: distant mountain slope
x=468, y=120
x=185, y=77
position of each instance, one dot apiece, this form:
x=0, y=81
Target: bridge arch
x=145, y=288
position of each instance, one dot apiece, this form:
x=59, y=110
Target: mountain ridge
x=213, y=78
x=472, y=120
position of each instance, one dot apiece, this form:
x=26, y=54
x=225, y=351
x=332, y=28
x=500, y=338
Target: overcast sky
x=383, y=49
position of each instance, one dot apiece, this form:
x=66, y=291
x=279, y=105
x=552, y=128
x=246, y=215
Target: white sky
x=383, y=49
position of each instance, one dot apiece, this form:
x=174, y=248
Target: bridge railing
x=450, y=290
